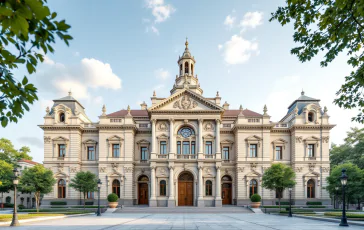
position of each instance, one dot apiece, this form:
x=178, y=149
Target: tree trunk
x=358, y=204
x=84, y=201
x=37, y=199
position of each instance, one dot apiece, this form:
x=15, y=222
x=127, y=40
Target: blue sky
x=123, y=50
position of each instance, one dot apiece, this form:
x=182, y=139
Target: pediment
x=186, y=101
x=162, y=136
x=279, y=141
x=311, y=174
x=89, y=141
x=60, y=175
x=253, y=138
x=253, y=174
x=60, y=139
x=312, y=138
x=208, y=136
x=227, y=142
x=143, y=141
x=115, y=138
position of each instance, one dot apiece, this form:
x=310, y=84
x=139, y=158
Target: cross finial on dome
x=70, y=93
x=186, y=44
x=303, y=92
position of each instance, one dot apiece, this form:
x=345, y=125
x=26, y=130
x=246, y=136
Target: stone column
x=171, y=139
x=153, y=199
x=171, y=199
x=218, y=150
x=200, y=201
x=153, y=153
x=218, y=201
x=200, y=142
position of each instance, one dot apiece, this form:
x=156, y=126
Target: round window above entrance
x=186, y=132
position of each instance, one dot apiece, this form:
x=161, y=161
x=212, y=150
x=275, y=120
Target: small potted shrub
x=113, y=200
x=255, y=201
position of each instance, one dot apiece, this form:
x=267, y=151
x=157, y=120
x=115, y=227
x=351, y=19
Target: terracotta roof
x=236, y=112
x=28, y=161
x=124, y=112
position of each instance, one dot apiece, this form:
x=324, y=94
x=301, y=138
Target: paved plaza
x=208, y=221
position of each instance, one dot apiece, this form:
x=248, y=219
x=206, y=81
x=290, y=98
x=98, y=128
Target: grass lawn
x=8, y=217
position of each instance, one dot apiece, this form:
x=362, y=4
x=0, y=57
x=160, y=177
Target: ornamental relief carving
x=185, y=103
x=241, y=169
x=128, y=169
x=299, y=139
x=253, y=166
x=325, y=169
x=47, y=139
x=312, y=166
x=73, y=169
x=298, y=169
x=115, y=166
x=162, y=171
x=209, y=126
x=326, y=139
x=102, y=169
x=163, y=126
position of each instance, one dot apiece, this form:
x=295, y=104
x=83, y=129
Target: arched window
x=310, y=188
x=208, y=188
x=62, y=118
x=186, y=132
x=61, y=188
x=253, y=187
x=116, y=187
x=311, y=116
x=180, y=69
x=192, y=69
x=163, y=188
x=186, y=67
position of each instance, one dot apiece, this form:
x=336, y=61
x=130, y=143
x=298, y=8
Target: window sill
x=60, y=158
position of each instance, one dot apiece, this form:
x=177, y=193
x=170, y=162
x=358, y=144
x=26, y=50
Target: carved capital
x=171, y=167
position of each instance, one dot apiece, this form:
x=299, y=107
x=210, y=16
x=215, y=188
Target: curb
x=328, y=220
x=45, y=218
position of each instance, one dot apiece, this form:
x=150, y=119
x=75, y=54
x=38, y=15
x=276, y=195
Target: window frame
x=163, y=147
x=253, y=187
x=186, y=148
x=208, y=188
x=117, y=187
x=313, y=150
x=278, y=150
x=208, y=147
x=61, y=189
x=113, y=150
x=179, y=145
x=61, y=150
x=255, y=153
x=144, y=153
x=93, y=153
x=163, y=188
x=226, y=149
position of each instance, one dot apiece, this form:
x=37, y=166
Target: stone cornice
x=186, y=112
x=59, y=127
x=247, y=126
x=280, y=130
x=107, y=126
x=144, y=132
x=317, y=127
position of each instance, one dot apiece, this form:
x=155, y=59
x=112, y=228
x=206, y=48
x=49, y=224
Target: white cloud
x=98, y=100
x=220, y=46
x=160, y=10
x=252, y=20
x=155, y=30
x=238, y=50
x=76, y=54
x=229, y=21
x=48, y=61
x=79, y=78
x=161, y=74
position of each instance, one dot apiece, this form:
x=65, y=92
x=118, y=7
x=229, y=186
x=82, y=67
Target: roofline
x=316, y=100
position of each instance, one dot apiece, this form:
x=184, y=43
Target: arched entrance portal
x=226, y=194
x=143, y=193
x=185, y=189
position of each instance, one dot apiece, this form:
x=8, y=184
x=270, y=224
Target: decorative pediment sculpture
x=185, y=103
x=209, y=126
x=279, y=142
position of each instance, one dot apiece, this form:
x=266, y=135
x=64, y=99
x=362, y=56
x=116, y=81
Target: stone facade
x=187, y=149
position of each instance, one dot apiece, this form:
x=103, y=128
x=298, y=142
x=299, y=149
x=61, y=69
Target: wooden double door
x=143, y=193
x=226, y=193
x=185, y=189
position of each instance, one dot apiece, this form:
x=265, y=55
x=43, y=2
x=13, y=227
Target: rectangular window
x=186, y=147
x=163, y=147
x=253, y=150
x=225, y=152
x=278, y=152
x=208, y=147
x=61, y=150
x=90, y=153
x=115, y=150
x=90, y=195
x=311, y=150
x=178, y=147
x=144, y=153
x=193, y=147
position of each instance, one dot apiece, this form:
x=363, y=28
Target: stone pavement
x=209, y=221
x=147, y=209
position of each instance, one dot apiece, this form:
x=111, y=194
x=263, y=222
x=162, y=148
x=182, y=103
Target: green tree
x=331, y=27
x=9, y=154
x=84, y=182
x=37, y=179
x=355, y=185
x=28, y=30
x=6, y=178
x=277, y=178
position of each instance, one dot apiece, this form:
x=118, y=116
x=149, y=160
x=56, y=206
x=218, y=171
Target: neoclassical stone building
x=187, y=149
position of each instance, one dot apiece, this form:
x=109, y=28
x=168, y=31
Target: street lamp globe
x=290, y=189
x=16, y=179
x=344, y=178
x=337, y=188
x=99, y=183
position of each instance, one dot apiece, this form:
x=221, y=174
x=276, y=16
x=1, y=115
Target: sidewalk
x=350, y=222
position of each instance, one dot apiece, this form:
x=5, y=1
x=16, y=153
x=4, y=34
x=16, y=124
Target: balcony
x=186, y=156
x=162, y=156
x=209, y=156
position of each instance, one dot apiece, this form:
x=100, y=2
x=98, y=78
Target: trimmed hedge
x=255, y=198
x=58, y=203
x=349, y=215
x=20, y=206
x=89, y=203
x=316, y=206
x=87, y=206
x=276, y=206
x=283, y=203
x=8, y=205
x=112, y=197
x=313, y=203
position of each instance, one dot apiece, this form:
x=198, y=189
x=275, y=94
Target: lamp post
x=15, y=221
x=344, y=181
x=290, y=202
x=98, y=194
x=336, y=204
